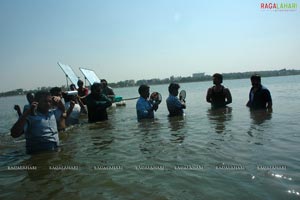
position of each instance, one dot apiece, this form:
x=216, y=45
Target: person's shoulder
x=210, y=89
x=104, y=97
x=89, y=97
x=169, y=98
x=226, y=89
x=264, y=88
x=26, y=107
x=140, y=99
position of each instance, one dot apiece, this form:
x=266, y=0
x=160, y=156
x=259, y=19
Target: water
x=227, y=154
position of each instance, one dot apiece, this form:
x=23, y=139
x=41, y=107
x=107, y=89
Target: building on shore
x=198, y=75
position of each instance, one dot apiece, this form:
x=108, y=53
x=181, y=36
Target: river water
x=225, y=154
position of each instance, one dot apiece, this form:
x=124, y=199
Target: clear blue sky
x=137, y=39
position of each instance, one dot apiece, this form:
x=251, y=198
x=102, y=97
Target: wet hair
x=41, y=94
x=95, y=86
x=29, y=95
x=104, y=83
x=256, y=77
x=143, y=88
x=55, y=90
x=72, y=85
x=79, y=82
x=218, y=76
x=173, y=87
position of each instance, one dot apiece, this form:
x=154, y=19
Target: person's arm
x=81, y=104
x=62, y=119
x=208, y=95
x=270, y=105
x=269, y=100
x=109, y=92
x=70, y=109
x=59, y=103
x=85, y=91
x=143, y=110
x=178, y=104
x=104, y=102
x=183, y=105
x=18, y=109
x=249, y=101
x=18, y=128
x=154, y=107
x=228, y=96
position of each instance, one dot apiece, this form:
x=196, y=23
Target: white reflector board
x=69, y=72
x=90, y=75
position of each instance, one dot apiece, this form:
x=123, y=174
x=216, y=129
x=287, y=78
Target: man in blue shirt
x=175, y=106
x=144, y=108
x=39, y=124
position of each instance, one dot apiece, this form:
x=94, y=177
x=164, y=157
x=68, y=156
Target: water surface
x=225, y=154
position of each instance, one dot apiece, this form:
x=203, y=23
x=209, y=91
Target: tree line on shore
x=156, y=81
x=235, y=75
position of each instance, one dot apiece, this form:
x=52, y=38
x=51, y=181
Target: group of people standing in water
x=218, y=96
x=46, y=114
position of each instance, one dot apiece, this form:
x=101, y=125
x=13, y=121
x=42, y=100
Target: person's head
x=255, y=80
x=80, y=83
x=144, y=91
x=104, y=83
x=44, y=99
x=217, y=79
x=96, y=89
x=72, y=87
x=173, y=89
x=56, y=91
x=30, y=97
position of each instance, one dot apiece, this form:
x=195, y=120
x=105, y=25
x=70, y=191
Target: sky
x=142, y=39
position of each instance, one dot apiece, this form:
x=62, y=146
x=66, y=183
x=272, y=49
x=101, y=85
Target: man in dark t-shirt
x=97, y=104
x=259, y=96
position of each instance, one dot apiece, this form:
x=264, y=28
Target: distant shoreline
x=201, y=78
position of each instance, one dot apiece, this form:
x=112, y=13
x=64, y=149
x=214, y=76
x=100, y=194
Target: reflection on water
x=258, y=117
x=149, y=133
x=219, y=117
x=122, y=141
x=42, y=161
x=103, y=125
x=102, y=142
x=176, y=126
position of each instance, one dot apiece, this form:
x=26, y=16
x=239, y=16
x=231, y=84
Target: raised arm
x=18, y=109
x=18, y=128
